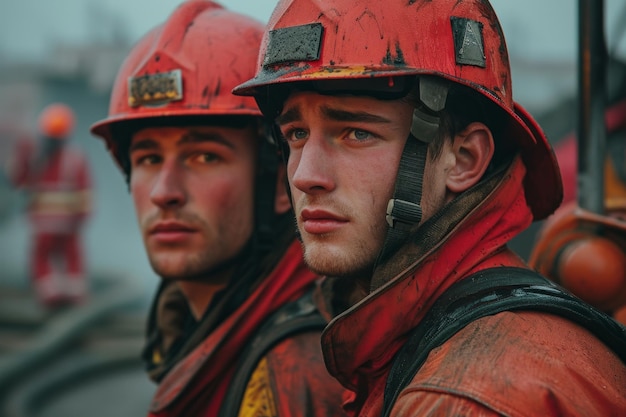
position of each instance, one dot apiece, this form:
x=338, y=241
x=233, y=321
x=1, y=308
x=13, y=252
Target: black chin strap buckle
x=403, y=211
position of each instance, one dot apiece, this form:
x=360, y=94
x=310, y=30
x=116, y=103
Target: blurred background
x=85, y=360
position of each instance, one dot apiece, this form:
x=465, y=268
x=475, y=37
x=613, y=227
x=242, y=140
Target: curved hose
x=60, y=333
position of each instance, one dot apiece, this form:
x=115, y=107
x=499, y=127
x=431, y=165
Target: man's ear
x=282, y=203
x=473, y=149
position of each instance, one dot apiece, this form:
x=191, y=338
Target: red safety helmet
x=458, y=40
x=56, y=121
x=186, y=66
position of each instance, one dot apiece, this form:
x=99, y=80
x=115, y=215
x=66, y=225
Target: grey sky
x=535, y=29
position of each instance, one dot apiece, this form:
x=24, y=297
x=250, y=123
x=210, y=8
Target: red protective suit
x=512, y=363
x=58, y=184
x=290, y=380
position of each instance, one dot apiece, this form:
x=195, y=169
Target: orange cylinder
x=594, y=269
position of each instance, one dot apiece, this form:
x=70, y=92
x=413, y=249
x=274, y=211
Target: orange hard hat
x=56, y=121
x=185, y=67
x=375, y=41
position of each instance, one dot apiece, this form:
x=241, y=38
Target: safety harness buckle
x=403, y=211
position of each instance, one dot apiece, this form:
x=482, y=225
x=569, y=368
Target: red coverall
x=510, y=364
x=290, y=380
x=58, y=186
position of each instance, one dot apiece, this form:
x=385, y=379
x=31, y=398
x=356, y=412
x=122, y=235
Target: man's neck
x=199, y=294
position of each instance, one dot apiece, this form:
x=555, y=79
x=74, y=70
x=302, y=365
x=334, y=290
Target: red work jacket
x=509, y=364
x=291, y=379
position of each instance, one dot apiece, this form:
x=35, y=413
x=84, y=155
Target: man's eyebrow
x=338, y=115
x=200, y=137
x=289, y=116
x=352, y=116
x=143, y=144
x=191, y=137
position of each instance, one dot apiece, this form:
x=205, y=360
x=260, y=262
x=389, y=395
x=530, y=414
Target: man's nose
x=168, y=190
x=311, y=167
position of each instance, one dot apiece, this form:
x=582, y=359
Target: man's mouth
x=171, y=231
x=318, y=221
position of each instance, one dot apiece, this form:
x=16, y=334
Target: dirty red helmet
x=375, y=41
x=185, y=67
x=56, y=121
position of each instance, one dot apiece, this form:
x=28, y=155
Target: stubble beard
x=193, y=267
x=354, y=262
x=354, y=258
x=184, y=264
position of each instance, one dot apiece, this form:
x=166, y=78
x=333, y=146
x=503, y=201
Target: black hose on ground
x=59, y=335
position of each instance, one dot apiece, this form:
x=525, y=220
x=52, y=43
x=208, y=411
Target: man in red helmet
x=410, y=168
x=57, y=180
x=233, y=329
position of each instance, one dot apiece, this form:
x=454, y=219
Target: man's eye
x=359, y=135
x=294, y=135
x=206, y=157
x=146, y=160
x=300, y=134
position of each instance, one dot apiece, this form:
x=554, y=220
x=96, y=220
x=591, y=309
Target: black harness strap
x=486, y=293
x=296, y=317
x=404, y=209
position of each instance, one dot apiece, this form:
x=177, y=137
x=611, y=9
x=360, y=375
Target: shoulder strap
x=486, y=293
x=296, y=317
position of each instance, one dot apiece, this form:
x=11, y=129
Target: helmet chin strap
x=404, y=209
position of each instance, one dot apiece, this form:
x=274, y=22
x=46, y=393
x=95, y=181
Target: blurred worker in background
x=57, y=181
x=233, y=329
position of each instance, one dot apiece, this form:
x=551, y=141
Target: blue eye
x=300, y=134
x=294, y=135
x=359, y=135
